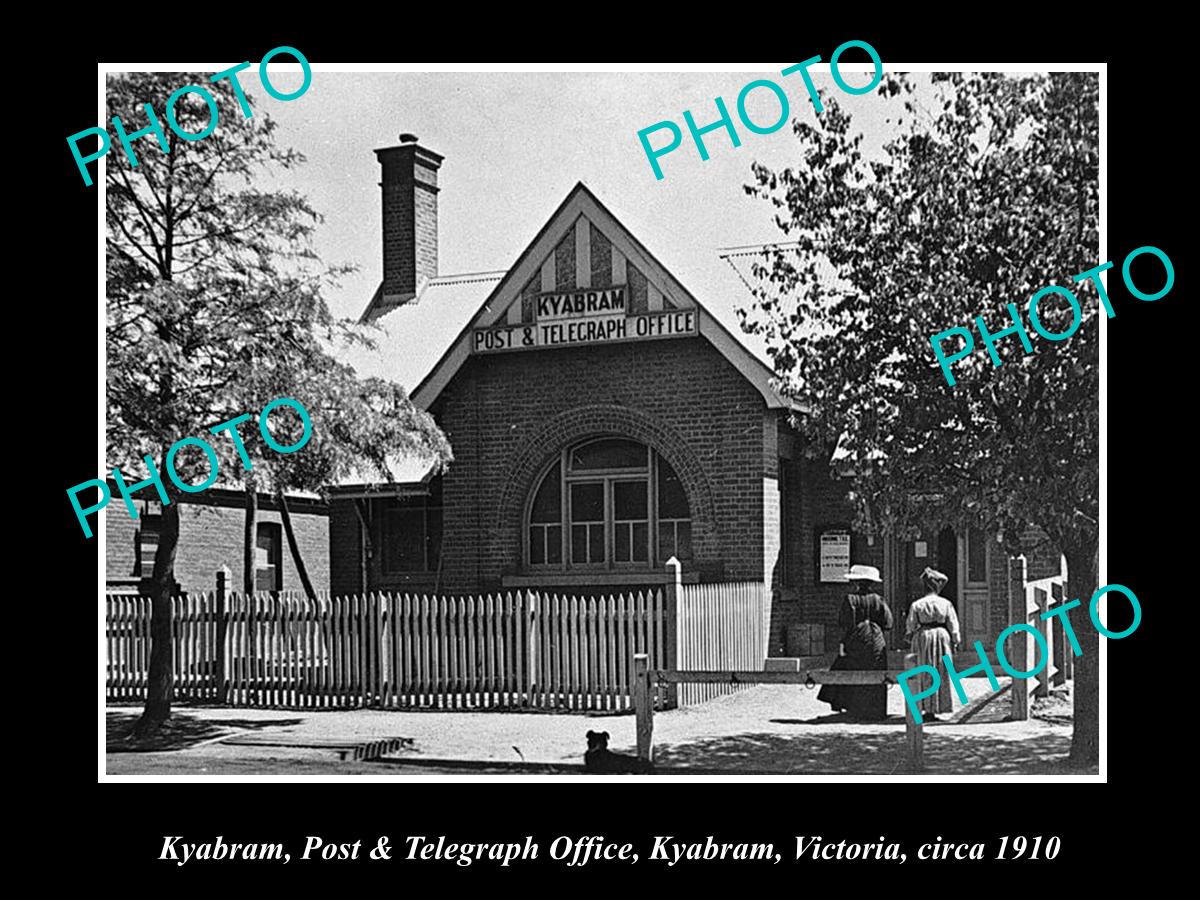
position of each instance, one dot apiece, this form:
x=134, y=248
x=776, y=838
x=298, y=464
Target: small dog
x=603, y=761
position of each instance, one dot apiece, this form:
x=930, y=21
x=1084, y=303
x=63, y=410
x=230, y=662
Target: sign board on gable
x=584, y=317
x=577, y=304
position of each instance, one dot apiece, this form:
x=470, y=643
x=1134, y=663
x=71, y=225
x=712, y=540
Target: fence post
x=1017, y=648
x=222, y=614
x=671, y=618
x=643, y=707
x=1043, y=678
x=531, y=646
x=1061, y=658
x=914, y=730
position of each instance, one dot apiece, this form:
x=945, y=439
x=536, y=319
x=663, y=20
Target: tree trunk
x=286, y=515
x=1081, y=584
x=249, y=537
x=160, y=682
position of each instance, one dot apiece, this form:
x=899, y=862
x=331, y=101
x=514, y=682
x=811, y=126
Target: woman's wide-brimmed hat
x=864, y=573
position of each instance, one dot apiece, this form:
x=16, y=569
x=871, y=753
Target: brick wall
x=425, y=225
x=211, y=535
x=816, y=499
x=120, y=542
x=507, y=415
x=1043, y=559
x=998, y=590
x=399, y=259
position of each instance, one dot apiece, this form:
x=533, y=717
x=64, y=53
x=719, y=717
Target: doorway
x=947, y=563
x=965, y=557
x=908, y=559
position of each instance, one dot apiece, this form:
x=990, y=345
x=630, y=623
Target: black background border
x=120, y=826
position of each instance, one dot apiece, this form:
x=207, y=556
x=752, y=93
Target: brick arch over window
x=584, y=422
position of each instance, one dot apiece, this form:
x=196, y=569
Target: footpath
x=768, y=729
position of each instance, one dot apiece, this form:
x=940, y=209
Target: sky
x=515, y=143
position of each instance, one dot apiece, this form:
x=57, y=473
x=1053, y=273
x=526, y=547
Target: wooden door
x=974, y=606
x=902, y=580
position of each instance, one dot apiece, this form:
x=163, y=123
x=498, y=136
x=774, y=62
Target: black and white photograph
x=605, y=423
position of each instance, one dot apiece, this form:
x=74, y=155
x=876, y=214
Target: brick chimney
x=409, y=218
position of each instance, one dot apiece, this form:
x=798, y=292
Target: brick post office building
x=603, y=418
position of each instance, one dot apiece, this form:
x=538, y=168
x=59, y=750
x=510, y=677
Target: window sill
x=594, y=578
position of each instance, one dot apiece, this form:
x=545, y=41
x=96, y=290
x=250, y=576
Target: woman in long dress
x=863, y=619
x=933, y=626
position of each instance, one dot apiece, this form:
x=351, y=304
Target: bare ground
x=768, y=729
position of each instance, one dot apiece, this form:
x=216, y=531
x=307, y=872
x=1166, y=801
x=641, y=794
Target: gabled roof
x=663, y=286
x=424, y=342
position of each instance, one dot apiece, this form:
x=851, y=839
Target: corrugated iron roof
x=412, y=337
x=409, y=341
x=409, y=474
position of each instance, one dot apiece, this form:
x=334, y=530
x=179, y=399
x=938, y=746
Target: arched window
x=608, y=504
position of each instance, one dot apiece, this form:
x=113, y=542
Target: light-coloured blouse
x=930, y=611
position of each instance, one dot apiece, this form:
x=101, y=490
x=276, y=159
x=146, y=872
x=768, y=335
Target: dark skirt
x=865, y=650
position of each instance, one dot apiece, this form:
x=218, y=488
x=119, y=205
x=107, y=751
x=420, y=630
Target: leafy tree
x=357, y=425
x=210, y=275
x=976, y=203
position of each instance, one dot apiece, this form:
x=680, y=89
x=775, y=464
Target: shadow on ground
x=179, y=732
x=868, y=754
x=481, y=767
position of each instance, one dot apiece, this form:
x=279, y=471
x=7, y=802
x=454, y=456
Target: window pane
x=433, y=519
x=268, y=544
x=587, y=502
x=621, y=540
x=547, y=505
x=554, y=544
x=629, y=500
x=596, y=543
x=404, y=540
x=672, y=500
x=537, y=545
x=609, y=453
x=666, y=541
x=683, y=540
x=578, y=543
x=641, y=537
x=976, y=556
